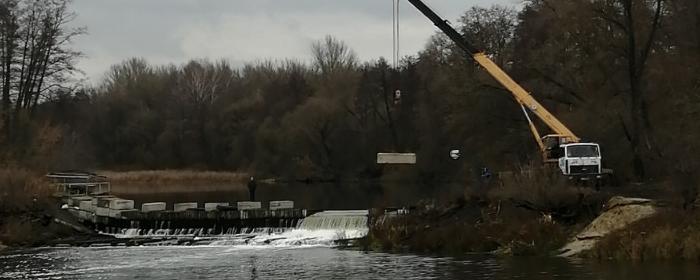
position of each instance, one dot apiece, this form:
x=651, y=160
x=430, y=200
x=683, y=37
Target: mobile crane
x=573, y=157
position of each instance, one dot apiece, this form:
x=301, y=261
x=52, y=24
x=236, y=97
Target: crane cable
x=396, y=33
x=396, y=53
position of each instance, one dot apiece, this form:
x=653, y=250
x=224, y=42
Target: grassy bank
x=530, y=213
x=672, y=234
x=24, y=200
x=536, y=216
x=467, y=227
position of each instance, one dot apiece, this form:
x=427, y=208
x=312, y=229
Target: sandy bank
x=618, y=213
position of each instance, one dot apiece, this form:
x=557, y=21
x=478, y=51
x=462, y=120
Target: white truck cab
x=581, y=160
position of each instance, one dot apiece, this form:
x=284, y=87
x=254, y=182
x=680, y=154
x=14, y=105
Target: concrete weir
x=225, y=221
x=86, y=196
x=112, y=215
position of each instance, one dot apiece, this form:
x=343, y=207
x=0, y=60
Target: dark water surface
x=228, y=262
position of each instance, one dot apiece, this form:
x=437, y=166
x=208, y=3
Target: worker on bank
x=485, y=173
x=251, y=188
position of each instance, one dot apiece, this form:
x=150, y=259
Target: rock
x=618, y=201
x=516, y=248
x=2, y=247
x=619, y=212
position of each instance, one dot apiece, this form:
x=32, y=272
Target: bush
x=23, y=198
x=21, y=191
x=468, y=228
x=547, y=191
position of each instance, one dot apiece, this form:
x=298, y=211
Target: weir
x=198, y=222
x=343, y=220
x=242, y=222
x=325, y=228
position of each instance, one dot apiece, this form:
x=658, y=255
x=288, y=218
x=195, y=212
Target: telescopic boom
x=564, y=134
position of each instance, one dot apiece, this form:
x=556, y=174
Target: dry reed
x=168, y=177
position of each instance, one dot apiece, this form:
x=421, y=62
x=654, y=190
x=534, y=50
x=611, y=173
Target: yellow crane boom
x=524, y=98
x=561, y=133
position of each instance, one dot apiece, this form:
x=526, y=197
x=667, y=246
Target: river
x=301, y=262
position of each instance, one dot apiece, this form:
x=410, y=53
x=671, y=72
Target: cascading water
x=336, y=220
x=320, y=229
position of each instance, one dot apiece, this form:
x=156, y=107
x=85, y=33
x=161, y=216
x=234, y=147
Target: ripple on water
x=236, y=262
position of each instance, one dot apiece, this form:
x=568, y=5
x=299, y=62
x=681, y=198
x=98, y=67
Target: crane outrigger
x=574, y=158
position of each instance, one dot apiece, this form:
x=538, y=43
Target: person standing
x=251, y=188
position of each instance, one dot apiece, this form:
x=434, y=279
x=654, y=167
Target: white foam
x=297, y=237
x=320, y=229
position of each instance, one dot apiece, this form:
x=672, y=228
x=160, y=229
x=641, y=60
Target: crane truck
x=574, y=158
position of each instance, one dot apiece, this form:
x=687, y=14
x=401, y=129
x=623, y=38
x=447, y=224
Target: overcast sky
x=174, y=31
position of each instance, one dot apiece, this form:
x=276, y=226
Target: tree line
x=622, y=73
x=36, y=63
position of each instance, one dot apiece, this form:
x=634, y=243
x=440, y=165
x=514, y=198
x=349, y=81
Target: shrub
x=547, y=191
x=21, y=190
x=463, y=229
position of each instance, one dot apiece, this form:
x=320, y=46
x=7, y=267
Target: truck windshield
x=582, y=151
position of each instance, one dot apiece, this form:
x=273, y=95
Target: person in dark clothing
x=251, y=188
x=485, y=173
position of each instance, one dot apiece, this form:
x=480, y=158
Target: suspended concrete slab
x=396, y=158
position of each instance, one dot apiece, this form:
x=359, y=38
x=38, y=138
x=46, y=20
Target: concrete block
x=211, y=206
x=153, y=207
x=87, y=206
x=121, y=204
x=75, y=201
x=396, y=158
x=114, y=213
x=95, y=199
x=104, y=201
x=180, y=207
x=102, y=211
x=248, y=205
x=283, y=204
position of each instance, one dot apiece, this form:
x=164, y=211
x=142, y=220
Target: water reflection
x=226, y=262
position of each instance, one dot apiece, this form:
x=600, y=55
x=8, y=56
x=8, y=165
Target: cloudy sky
x=174, y=31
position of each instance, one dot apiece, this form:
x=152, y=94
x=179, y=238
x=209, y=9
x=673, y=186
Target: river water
x=304, y=262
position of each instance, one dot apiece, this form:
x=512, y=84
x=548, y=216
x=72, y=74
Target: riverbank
x=28, y=214
x=468, y=227
x=39, y=228
x=623, y=229
x=671, y=234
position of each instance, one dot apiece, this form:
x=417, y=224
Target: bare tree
x=120, y=76
x=331, y=55
x=636, y=24
x=202, y=82
x=493, y=29
x=8, y=39
x=36, y=57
